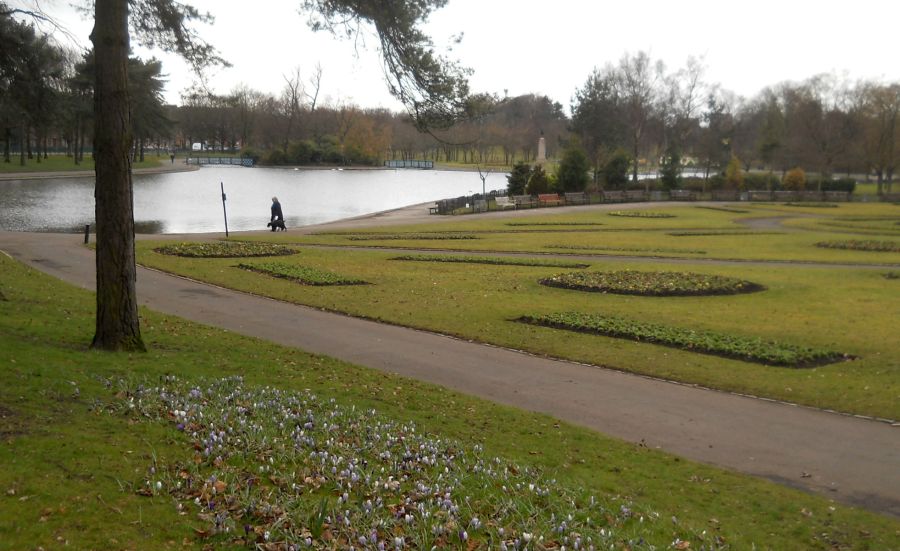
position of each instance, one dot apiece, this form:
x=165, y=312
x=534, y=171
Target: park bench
x=842, y=196
x=504, y=203
x=523, y=200
x=758, y=195
x=613, y=196
x=635, y=195
x=576, y=198
x=810, y=196
x=785, y=196
x=681, y=195
x=725, y=195
x=548, y=199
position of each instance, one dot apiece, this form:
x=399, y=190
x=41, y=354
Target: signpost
x=224, y=212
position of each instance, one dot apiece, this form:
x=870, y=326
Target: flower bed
x=705, y=342
x=721, y=233
x=490, y=260
x=264, y=468
x=640, y=214
x=625, y=249
x=220, y=249
x=862, y=245
x=633, y=282
x=301, y=274
x=416, y=236
x=554, y=224
x=723, y=209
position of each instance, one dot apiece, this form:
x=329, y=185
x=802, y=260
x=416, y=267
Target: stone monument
x=542, y=150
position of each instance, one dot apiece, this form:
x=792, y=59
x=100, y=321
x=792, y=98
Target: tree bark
x=117, y=324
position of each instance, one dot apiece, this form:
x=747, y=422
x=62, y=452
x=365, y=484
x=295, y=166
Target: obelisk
x=542, y=150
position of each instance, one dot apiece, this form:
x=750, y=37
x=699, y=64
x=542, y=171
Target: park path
x=849, y=459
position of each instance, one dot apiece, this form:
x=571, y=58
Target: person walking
x=276, y=210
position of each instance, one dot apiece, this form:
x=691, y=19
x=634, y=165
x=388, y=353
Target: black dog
x=276, y=225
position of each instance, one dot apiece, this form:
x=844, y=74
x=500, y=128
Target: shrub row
x=220, y=249
x=724, y=209
x=633, y=282
x=640, y=214
x=706, y=342
x=490, y=260
x=301, y=274
x=625, y=249
x=862, y=245
x=416, y=236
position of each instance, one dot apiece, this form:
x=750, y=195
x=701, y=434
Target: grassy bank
x=77, y=457
x=62, y=163
x=848, y=311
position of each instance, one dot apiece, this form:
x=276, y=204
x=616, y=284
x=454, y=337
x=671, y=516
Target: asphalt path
x=849, y=459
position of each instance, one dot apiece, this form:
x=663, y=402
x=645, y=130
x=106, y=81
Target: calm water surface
x=191, y=202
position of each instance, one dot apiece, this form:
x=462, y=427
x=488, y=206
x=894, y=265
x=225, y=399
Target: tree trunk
x=117, y=326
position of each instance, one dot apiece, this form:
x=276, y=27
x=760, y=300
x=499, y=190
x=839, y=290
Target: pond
x=191, y=202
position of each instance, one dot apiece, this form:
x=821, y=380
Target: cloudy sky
x=551, y=46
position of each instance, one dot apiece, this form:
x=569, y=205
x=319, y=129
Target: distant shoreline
x=88, y=173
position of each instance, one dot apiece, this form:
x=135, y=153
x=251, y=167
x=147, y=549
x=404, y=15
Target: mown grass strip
x=705, y=342
x=496, y=261
x=304, y=275
x=862, y=245
x=220, y=249
x=657, y=284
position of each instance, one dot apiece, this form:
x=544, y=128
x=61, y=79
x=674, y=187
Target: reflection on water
x=191, y=202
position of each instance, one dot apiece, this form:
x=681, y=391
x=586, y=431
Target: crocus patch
x=507, y=261
x=640, y=214
x=273, y=469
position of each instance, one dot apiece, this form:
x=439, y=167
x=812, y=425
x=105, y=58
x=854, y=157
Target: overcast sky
x=550, y=46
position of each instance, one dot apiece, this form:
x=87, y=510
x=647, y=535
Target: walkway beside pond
x=845, y=458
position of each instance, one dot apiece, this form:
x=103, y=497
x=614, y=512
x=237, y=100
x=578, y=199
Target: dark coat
x=276, y=212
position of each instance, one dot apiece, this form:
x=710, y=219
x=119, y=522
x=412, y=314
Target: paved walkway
x=849, y=459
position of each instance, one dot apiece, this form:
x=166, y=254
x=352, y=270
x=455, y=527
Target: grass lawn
x=62, y=163
x=77, y=457
x=845, y=310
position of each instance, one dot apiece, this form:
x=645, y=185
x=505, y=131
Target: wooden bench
x=548, y=199
x=523, y=200
x=612, y=196
x=725, y=195
x=681, y=195
x=760, y=195
x=504, y=203
x=635, y=195
x=842, y=196
x=785, y=196
x=576, y=198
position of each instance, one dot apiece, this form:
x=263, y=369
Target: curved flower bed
x=220, y=249
x=301, y=274
x=416, y=236
x=263, y=468
x=490, y=260
x=640, y=214
x=862, y=245
x=588, y=248
x=705, y=342
x=660, y=284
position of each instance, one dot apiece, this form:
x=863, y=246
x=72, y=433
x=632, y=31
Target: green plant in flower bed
x=862, y=245
x=416, y=236
x=221, y=249
x=722, y=209
x=721, y=233
x=301, y=274
x=706, y=342
x=275, y=469
x=640, y=214
x=634, y=282
x=625, y=249
x=554, y=223
x=891, y=275
x=813, y=205
x=491, y=260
